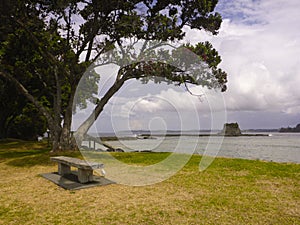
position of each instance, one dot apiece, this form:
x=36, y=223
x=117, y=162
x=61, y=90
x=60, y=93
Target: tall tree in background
x=47, y=45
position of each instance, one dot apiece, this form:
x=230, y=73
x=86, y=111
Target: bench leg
x=63, y=169
x=85, y=176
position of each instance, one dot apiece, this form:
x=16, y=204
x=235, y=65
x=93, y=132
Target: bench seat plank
x=81, y=164
x=85, y=169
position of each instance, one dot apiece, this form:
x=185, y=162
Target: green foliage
x=10, y=106
x=87, y=83
x=187, y=64
x=28, y=125
x=18, y=118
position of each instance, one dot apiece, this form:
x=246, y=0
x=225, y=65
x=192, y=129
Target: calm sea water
x=279, y=147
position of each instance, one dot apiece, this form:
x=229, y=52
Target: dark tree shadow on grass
x=27, y=154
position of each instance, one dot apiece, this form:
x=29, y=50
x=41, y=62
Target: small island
x=290, y=129
x=231, y=129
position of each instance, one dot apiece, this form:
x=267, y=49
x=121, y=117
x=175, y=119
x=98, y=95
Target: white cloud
x=260, y=47
x=173, y=105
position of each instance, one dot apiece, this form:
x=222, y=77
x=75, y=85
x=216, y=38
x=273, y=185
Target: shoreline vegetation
x=290, y=129
x=230, y=191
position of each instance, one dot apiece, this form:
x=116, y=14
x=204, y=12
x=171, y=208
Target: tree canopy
x=47, y=45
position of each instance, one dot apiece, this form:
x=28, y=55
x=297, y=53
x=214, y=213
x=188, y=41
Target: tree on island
x=47, y=45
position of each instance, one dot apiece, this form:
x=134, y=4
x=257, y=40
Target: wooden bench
x=85, y=169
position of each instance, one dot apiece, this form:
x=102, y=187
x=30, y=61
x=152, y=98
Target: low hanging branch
x=189, y=91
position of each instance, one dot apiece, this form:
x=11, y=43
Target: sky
x=259, y=42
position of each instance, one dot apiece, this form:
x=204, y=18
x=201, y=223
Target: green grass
x=230, y=191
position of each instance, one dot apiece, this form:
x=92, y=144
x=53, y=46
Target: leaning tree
x=46, y=46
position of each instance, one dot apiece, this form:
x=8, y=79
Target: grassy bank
x=230, y=191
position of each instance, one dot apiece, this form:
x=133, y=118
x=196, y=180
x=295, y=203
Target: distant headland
x=290, y=129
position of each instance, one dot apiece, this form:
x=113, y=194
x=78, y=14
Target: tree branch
x=85, y=126
x=26, y=94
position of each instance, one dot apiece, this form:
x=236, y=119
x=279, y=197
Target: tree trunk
x=67, y=141
x=61, y=137
x=63, y=141
x=86, y=125
x=55, y=134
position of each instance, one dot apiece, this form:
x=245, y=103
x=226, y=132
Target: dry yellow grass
x=230, y=191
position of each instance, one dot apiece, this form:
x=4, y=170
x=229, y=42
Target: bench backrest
x=82, y=164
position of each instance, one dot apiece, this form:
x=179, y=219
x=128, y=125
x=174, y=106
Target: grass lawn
x=230, y=191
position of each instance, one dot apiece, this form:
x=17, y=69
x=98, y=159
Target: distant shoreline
x=204, y=135
x=148, y=136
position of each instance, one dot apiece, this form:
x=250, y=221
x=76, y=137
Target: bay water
x=277, y=147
